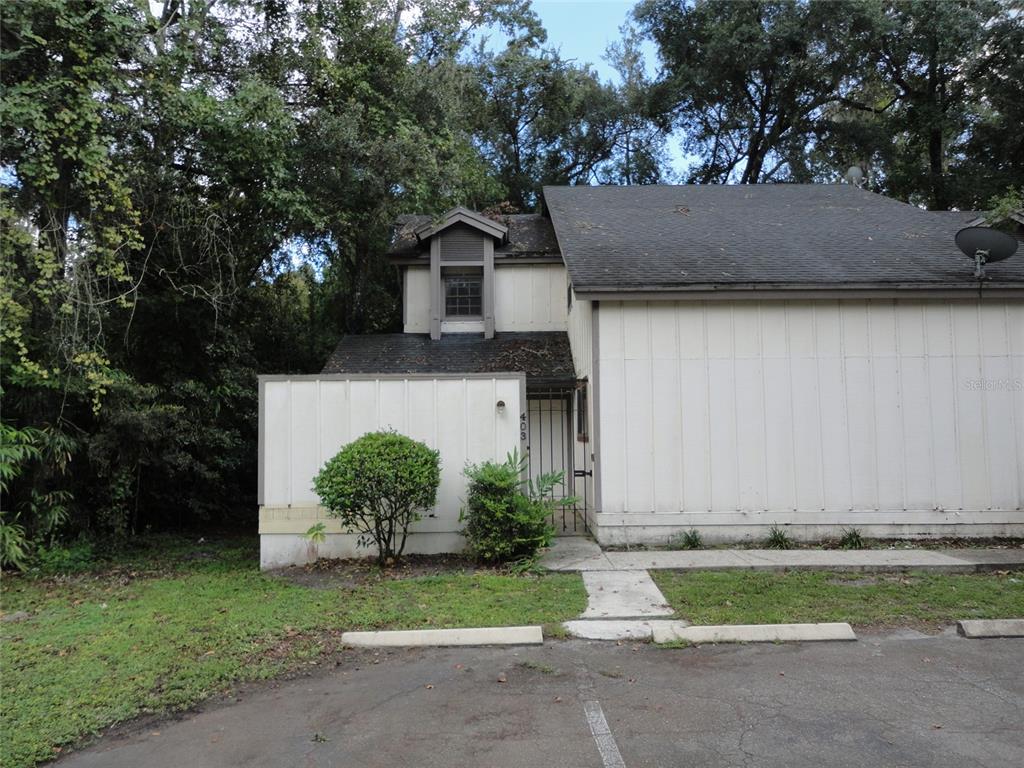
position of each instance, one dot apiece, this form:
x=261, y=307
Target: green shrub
x=377, y=486
x=851, y=539
x=507, y=517
x=72, y=558
x=777, y=539
x=691, y=539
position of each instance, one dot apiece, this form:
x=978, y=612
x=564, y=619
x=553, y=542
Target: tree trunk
x=936, y=181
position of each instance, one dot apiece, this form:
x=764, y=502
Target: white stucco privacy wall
x=305, y=420
x=895, y=416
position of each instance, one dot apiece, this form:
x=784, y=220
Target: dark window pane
x=463, y=296
x=582, y=426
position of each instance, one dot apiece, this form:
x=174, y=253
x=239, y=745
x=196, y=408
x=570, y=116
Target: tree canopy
x=923, y=95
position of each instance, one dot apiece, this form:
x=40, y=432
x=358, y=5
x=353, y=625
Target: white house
x=722, y=358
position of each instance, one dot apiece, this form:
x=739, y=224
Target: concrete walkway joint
x=617, y=629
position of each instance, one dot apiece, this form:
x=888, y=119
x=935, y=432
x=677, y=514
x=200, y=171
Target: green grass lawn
x=161, y=629
x=745, y=597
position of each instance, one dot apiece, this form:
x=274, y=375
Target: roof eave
x=703, y=292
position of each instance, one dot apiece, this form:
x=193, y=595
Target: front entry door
x=551, y=447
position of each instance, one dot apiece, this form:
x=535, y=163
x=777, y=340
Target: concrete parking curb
x=981, y=628
x=530, y=635
x=752, y=633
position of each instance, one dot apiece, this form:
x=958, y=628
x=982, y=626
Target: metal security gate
x=552, y=447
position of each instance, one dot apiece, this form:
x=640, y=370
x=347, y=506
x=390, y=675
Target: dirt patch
x=906, y=627
x=331, y=574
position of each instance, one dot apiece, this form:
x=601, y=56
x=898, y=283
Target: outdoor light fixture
x=501, y=406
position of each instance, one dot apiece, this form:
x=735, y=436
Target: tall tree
x=924, y=94
x=923, y=59
x=990, y=159
x=746, y=80
x=541, y=120
x=639, y=155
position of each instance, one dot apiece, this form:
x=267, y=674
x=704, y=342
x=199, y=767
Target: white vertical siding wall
x=416, y=300
x=306, y=420
x=869, y=409
x=529, y=297
x=581, y=342
x=580, y=328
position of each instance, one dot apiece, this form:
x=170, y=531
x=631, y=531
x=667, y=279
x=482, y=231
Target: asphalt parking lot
x=902, y=699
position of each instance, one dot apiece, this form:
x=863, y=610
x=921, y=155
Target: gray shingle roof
x=544, y=357
x=529, y=234
x=650, y=238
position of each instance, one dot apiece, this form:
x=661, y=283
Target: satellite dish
x=854, y=175
x=985, y=245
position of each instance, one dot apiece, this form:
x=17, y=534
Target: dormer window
x=462, y=271
x=463, y=292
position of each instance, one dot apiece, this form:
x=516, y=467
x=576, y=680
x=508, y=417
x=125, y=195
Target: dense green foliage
x=170, y=622
x=507, y=516
x=192, y=192
x=378, y=485
x=925, y=96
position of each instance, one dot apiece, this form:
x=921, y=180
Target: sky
x=583, y=29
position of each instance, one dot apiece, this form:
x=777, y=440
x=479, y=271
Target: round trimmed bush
x=506, y=518
x=377, y=486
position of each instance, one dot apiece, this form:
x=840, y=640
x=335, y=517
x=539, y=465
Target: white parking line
x=606, y=746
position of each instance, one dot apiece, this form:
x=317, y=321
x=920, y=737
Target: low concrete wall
x=283, y=541
x=278, y=550
x=627, y=529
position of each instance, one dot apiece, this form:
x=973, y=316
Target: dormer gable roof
x=460, y=215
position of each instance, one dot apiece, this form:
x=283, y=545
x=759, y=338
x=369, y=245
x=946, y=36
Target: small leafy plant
x=378, y=486
x=1003, y=208
x=777, y=539
x=316, y=533
x=507, y=516
x=691, y=539
x=851, y=539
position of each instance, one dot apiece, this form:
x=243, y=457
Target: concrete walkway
x=581, y=554
x=623, y=595
x=621, y=606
